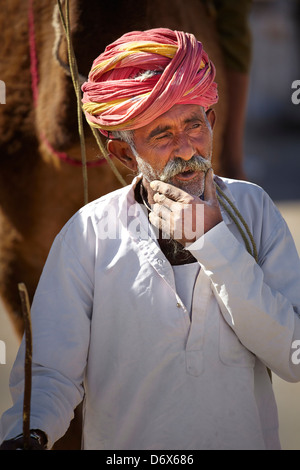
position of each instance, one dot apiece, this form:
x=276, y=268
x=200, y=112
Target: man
x=150, y=306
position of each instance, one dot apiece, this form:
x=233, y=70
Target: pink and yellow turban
x=119, y=95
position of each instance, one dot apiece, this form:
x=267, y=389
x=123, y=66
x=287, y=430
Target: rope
x=33, y=56
x=34, y=85
x=75, y=78
x=252, y=251
x=56, y=23
x=106, y=156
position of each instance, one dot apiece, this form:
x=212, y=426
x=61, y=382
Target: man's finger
x=160, y=224
x=161, y=211
x=209, y=188
x=162, y=199
x=165, y=201
x=168, y=190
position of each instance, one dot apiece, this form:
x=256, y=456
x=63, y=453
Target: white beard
x=194, y=187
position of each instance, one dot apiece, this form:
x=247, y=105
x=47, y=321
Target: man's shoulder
x=93, y=212
x=239, y=186
x=244, y=193
x=253, y=203
x=109, y=199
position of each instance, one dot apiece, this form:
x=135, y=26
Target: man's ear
x=122, y=151
x=211, y=116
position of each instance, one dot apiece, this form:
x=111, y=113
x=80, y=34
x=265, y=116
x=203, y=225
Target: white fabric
x=106, y=321
x=185, y=278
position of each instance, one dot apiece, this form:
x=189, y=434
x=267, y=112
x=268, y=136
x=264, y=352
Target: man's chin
x=191, y=185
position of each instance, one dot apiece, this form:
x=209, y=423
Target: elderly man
x=162, y=304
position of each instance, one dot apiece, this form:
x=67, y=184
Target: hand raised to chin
x=182, y=216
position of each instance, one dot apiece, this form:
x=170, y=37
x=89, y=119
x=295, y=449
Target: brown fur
x=38, y=192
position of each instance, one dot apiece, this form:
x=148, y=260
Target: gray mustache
x=178, y=165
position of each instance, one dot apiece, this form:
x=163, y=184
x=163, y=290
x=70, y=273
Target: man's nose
x=184, y=148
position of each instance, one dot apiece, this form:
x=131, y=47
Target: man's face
x=169, y=147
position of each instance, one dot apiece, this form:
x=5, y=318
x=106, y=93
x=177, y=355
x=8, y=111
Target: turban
x=142, y=75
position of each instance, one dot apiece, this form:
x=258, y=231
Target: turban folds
x=142, y=75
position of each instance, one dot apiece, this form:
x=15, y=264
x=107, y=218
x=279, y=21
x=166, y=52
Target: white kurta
x=110, y=326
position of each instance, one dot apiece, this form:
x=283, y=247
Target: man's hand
x=184, y=217
x=37, y=441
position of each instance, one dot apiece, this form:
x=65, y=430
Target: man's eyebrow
x=194, y=117
x=158, y=130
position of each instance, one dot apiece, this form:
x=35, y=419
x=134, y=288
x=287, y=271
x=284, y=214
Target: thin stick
x=28, y=363
x=107, y=158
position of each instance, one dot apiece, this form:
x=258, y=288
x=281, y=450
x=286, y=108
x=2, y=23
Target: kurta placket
x=192, y=327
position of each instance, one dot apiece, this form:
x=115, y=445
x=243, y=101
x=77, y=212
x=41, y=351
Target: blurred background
x=272, y=141
x=272, y=145
x=271, y=159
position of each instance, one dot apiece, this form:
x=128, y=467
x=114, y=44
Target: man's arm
x=61, y=313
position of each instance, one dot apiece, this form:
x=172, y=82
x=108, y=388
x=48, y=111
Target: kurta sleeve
x=61, y=313
x=260, y=301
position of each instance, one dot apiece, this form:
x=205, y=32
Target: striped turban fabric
x=142, y=75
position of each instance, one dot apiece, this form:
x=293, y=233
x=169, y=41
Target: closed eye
x=158, y=132
x=163, y=136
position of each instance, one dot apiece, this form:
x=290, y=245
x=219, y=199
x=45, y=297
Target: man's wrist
x=37, y=441
x=39, y=436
